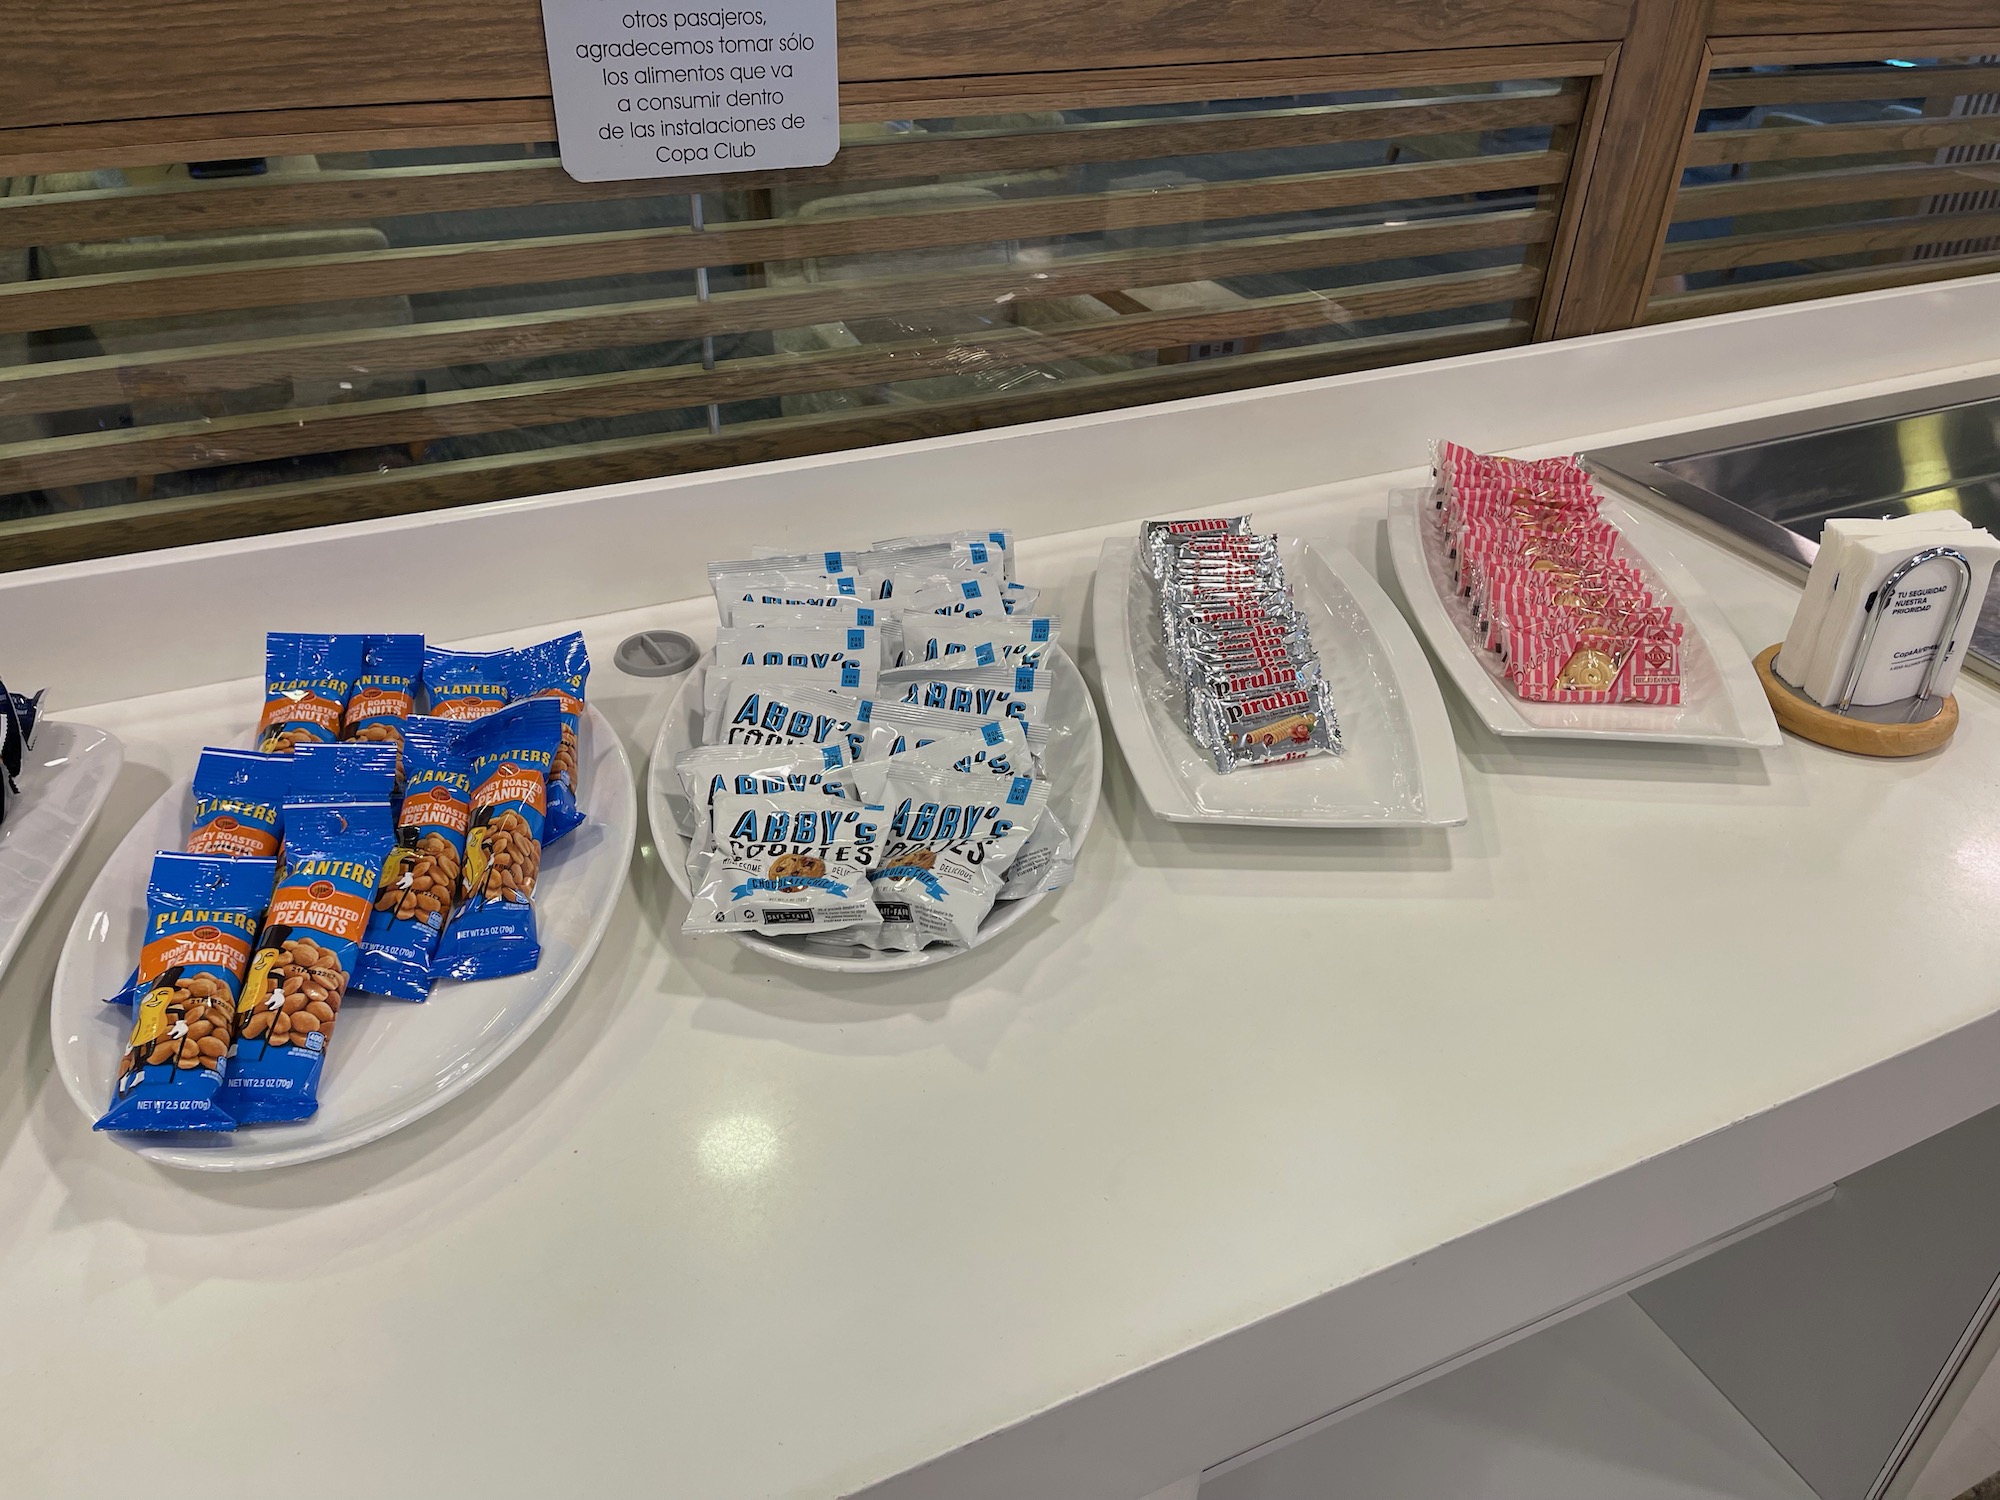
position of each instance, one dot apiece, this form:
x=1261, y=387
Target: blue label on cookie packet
x=850, y=674
x=983, y=653
x=832, y=757
x=1017, y=794
x=970, y=588
x=1038, y=630
x=846, y=584
x=979, y=554
x=864, y=617
x=856, y=639
x=1024, y=679
x=993, y=734
x=832, y=562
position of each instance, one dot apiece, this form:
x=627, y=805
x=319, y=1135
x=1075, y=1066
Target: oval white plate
x=1398, y=765
x=1075, y=767
x=391, y=1062
x=1721, y=703
x=65, y=780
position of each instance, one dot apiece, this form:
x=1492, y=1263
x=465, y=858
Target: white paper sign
x=693, y=92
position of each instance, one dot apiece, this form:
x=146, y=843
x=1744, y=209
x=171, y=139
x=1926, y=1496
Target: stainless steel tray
x=1771, y=485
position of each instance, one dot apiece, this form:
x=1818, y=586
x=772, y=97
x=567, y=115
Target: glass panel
x=1803, y=169
x=370, y=331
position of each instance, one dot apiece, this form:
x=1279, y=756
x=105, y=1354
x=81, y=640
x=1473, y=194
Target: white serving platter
x=1074, y=764
x=1398, y=765
x=391, y=1062
x=1721, y=702
x=64, y=782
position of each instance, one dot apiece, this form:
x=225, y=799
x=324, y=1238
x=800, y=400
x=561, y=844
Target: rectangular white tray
x=1399, y=761
x=64, y=782
x=1721, y=703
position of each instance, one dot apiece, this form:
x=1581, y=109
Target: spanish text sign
x=689, y=93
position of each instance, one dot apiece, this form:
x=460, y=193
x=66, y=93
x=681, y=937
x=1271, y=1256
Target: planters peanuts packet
x=305, y=953
x=201, y=913
x=420, y=877
x=307, y=679
x=467, y=684
x=558, y=669
x=385, y=693
x=510, y=755
x=239, y=802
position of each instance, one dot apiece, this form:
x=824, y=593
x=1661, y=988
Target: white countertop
x=1268, y=1121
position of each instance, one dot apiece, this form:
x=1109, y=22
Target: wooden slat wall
x=1873, y=205
x=1437, y=214
x=1580, y=243
x=76, y=60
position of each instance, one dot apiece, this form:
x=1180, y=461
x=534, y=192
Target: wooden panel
x=36, y=149
x=1848, y=84
x=364, y=196
x=1957, y=42
x=1777, y=245
x=136, y=528
x=1122, y=87
x=1882, y=184
x=201, y=370
x=1827, y=284
x=1805, y=17
x=151, y=142
x=168, y=447
x=1656, y=94
x=1581, y=140
x=76, y=60
x=64, y=303
x=1796, y=142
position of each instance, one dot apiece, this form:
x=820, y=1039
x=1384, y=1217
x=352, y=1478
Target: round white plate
x=1398, y=765
x=391, y=1062
x=1721, y=702
x=1074, y=764
x=64, y=782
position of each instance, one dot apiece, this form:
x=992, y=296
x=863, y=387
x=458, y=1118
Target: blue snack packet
x=420, y=877
x=201, y=913
x=509, y=754
x=385, y=693
x=351, y=772
x=239, y=798
x=305, y=953
x=558, y=669
x=467, y=684
x=239, y=802
x=307, y=679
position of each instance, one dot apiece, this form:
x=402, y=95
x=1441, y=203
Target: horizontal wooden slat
x=1825, y=284
x=64, y=303
x=1772, y=246
x=139, y=527
x=128, y=59
x=1949, y=41
x=345, y=197
x=1881, y=184
x=1903, y=30
x=266, y=435
x=1839, y=85
x=31, y=150
x=35, y=149
x=1719, y=147
x=194, y=372
x=1107, y=88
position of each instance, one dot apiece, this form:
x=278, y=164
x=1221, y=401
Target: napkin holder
x=1909, y=726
